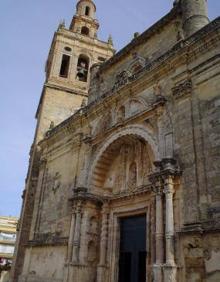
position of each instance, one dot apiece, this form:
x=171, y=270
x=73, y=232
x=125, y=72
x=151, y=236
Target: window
x=101, y=59
x=85, y=31
x=64, y=69
x=82, y=68
x=68, y=49
x=87, y=11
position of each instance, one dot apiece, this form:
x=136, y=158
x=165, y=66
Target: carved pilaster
x=71, y=234
x=159, y=234
x=84, y=238
x=103, y=243
x=76, y=238
x=163, y=181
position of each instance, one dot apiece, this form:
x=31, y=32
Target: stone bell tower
x=194, y=15
x=73, y=51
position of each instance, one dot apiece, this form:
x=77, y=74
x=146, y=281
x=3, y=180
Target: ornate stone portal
x=130, y=183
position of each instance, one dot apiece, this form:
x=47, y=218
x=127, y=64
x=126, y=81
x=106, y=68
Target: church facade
x=123, y=182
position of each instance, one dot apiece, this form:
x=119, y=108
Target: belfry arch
x=111, y=167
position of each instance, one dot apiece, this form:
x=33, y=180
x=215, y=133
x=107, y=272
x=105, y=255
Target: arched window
x=87, y=10
x=82, y=68
x=85, y=31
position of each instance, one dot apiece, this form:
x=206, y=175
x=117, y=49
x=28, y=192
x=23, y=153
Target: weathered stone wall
x=57, y=105
x=45, y=263
x=153, y=43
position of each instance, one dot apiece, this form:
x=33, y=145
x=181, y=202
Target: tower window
x=85, y=31
x=101, y=59
x=68, y=49
x=82, y=68
x=64, y=69
x=87, y=11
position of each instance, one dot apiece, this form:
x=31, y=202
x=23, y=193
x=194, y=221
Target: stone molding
x=47, y=239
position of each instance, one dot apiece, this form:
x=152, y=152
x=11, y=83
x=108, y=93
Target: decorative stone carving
x=93, y=225
x=56, y=182
x=127, y=170
x=120, y=114
x=126, y=76
x=182, y=89
x=121, y=79
x=132, y=181
x=137, y=63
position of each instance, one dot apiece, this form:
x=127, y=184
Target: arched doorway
x=120, y=172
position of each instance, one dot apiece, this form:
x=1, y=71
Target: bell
x=81, y=72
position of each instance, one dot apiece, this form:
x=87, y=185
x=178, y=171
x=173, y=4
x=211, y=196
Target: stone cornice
x=82, y=194
x=66, y=33
x=130, y=194
x=45, y=243
x=181, y=49
x=66, y=89
x=204, y=227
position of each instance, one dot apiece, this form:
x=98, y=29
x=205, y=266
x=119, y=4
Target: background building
x=8, y=226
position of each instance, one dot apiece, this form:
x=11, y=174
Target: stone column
x=170, y=266
x=83, y=256
x=76, y=238
x=70, y=243
x=159, y=236
x=103, y=244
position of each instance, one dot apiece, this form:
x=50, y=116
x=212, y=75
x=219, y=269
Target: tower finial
x=110, y=40
x=62, y=24
x=84, y=21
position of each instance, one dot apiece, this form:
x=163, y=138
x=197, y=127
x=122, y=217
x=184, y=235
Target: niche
x=92, y=253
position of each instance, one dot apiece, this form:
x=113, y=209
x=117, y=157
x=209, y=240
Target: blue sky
x=27, y=28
